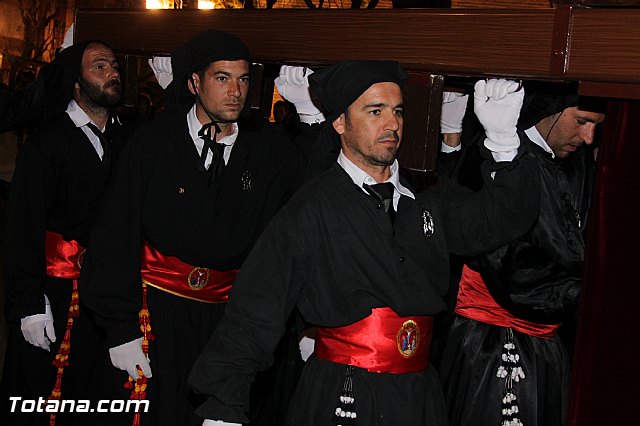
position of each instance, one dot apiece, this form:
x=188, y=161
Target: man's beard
x=97, y=96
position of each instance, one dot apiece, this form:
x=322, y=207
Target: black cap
x=196, y=54
x=339, y=85
x=537, y=106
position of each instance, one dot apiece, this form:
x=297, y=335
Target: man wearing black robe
x=194, y=190
x=508, y=344
x=60, y=178
x=343, y=253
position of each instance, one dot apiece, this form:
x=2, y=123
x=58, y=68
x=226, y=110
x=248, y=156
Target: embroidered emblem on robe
x=198, y=278
x=427, y=223
x=408, y=338
x=247, y=181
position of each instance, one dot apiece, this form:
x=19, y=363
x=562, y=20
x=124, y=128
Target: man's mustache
x=112, y=83
x=389, y=135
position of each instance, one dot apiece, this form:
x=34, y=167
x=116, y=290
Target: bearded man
x=60, y=177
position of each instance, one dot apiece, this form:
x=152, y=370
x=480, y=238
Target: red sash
x=383, y=342
x=475, y=302
x=170, y=274
x=63, y=258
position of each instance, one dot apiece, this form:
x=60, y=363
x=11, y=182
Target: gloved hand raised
x=293, y=85
x=161, y=66
x=497, y=103
x=454, y=105
x=38, y=329
x=129, y=355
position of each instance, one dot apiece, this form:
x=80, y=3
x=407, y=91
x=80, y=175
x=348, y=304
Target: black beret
x=537, y=106
x=205, y=48
x=339, y=85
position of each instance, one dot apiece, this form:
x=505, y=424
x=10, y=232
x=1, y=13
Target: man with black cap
x=505, y=361
x=194, y=191
x=366, y=266
x=61, y=175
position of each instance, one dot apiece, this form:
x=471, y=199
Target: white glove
x=129, y=355
x=454, y=105
x=307, y=345
x=38, y=329
x=161, y=66
x=497, y=104
x=293, y=85
x=68, y=38
x=208, y=422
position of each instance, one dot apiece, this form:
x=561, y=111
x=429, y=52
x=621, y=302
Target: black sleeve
x=110, y=280
x=504, y=209
x=319, y=146
x=32, y=194
x=447, y=162
x=262, y=298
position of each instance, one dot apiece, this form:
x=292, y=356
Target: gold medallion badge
x=198, y=278
x=408, y=338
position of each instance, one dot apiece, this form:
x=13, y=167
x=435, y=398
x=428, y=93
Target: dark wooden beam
x=478, y=42
x=605, y=45
x=572, y=44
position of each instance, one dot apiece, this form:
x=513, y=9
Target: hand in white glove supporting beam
x=293, y=85
x=497, y=103
x=161, y=66
x=454, y=105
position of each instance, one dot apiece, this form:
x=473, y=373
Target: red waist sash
x=383, y=342
x=476, y=303
x=170, y=274
x=63, y=258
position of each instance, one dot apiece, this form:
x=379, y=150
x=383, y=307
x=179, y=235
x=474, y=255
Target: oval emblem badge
x=198, y=278
x=427, y=223
x=408, y=338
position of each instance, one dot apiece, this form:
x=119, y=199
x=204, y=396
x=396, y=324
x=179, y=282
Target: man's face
x=371, y=130
x=99, y=79
x=222, y=89
x=569, y=129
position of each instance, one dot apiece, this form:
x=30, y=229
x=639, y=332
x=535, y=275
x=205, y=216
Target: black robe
x=158, y=195
x=57, y=186
x=535, y=277
x=334, y=255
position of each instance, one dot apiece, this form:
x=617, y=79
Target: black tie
x=383, y=192
x=217, y=161
x=106, y=145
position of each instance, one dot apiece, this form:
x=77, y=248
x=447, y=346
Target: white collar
x=78, y=115
x=360, y=177
x=537, y=138
x=195, y=126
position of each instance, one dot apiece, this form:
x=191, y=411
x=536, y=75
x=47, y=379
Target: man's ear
x=339, y=124
x=193, y=82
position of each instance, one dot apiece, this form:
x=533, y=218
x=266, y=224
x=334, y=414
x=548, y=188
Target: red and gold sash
x=475, y=302
x=63, y=258
x=170, y=274
x=383, y=342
